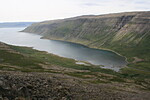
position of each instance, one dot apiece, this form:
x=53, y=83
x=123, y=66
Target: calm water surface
x=65, y=49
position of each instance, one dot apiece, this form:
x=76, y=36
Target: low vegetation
x=125, y=33
x=29, y=60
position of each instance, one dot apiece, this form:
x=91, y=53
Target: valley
x=125, y=33
x=33, y=68
x=22, y=68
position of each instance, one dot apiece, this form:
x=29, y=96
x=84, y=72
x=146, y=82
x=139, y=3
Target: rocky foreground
x=46, y=86
x=28, y=74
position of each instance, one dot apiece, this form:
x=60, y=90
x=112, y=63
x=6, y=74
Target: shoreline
x=126, y=59
x=85, y=45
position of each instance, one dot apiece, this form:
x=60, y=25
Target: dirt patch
x=136, y=59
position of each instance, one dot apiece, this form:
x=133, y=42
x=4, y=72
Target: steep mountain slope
x=122, y=32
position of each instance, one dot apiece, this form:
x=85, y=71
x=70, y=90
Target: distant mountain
x=127, y=33
x=28, y=73
x=15, y=24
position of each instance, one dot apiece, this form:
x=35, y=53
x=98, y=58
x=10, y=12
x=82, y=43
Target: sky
x=40, y=10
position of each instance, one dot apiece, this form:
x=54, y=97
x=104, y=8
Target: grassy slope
x=125, y=33
x=29, y=60
x=140, y=50
x=50, y=59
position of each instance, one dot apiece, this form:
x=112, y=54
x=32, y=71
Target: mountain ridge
x=26, y=73
x=127, y=31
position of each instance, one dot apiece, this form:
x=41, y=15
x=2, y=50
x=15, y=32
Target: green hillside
x=126, y=33
x=122, y=32
x=23, y=65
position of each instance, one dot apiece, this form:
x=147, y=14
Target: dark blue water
x=65, y=49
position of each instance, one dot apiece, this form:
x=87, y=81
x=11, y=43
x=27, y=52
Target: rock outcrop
x=46, y=86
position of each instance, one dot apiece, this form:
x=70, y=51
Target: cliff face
x=109, y=31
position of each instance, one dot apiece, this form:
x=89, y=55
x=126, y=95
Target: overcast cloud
x=39, y=10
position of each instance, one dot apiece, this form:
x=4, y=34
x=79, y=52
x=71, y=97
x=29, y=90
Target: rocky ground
x=46, y=86
x=27, y=74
